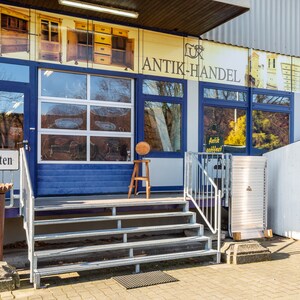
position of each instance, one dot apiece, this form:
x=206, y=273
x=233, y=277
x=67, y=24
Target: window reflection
x=271, y=99
x=110, y=89
x=11, y=119
x=229, y=124
x=63, y=116
x=110, y=149
x=225, y=95
x=11, y=72
x=162, y=127
x=63, y=85
x=63, y=147
x=162, y=88
x=270, y=130
x=110, y=118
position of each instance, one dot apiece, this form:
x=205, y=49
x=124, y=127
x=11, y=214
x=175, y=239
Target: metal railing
x=206, y=182
x=10, y=177
x=27, y=207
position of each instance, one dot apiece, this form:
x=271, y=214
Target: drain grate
x=144, y=279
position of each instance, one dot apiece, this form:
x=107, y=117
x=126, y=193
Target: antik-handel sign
x=194, y=59
x=9, y=160
x=194, y=70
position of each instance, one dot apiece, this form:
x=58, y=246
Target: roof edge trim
x=241, y=3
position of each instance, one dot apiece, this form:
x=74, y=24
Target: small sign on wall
x=9, y=160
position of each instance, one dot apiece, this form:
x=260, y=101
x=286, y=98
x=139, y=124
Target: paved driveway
x=278, y=278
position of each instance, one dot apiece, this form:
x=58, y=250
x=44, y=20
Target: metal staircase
x=112, y=233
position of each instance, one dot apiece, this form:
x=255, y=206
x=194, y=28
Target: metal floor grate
x=144, y=279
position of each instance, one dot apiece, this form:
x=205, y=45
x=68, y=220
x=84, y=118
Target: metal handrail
x=204, y=193
x=27, y=207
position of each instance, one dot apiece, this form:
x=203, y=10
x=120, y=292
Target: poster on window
x=270, y=71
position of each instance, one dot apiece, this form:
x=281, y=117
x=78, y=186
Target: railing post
x=185, y=176
x=21, y=183
x=219, y=227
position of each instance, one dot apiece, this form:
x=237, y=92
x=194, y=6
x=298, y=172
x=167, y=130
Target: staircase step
x=121, y=262
x=88, y=204
x=119, y=246
x=113, y=218
x=130, y=230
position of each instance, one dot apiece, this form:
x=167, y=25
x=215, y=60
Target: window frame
x=249, y=105
x=265, y=107
x=243, y=105
x=88, y=132
x=169, y=99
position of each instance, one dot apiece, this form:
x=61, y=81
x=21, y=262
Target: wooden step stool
x=142, y=148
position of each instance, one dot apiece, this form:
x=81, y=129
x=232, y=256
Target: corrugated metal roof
x=270, y=25
x=193, y=17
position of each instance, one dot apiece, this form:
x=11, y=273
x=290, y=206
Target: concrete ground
x=278, y=278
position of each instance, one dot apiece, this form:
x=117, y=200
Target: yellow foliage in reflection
x=237, y=134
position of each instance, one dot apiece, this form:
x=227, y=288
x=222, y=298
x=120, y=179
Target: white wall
x=284, y=190
x=192, y=115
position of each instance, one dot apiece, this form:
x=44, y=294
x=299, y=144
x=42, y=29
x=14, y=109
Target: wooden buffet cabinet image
x=14, y=31
x=49, y=38
x=100, y=44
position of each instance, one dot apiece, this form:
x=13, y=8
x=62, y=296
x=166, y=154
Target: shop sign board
x=9, y=160
x=214, y=144
x=35, y=35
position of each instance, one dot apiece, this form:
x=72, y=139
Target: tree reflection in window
x=11, y=119
x=229, y=124
x=162, y=88
x=63, y=85
x=270, y=130
x=271, y=99
x=110, y=89
x=162, y=127
x=221, y=94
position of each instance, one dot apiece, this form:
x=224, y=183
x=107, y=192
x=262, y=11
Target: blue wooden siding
x=85, y=179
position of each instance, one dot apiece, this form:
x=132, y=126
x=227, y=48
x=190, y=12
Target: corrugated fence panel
x=270, y=25
x=77, y=179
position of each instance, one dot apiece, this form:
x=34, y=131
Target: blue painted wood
x=82, y=179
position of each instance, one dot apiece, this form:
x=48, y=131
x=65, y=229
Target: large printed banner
x=271, y=71
x=193, y=59
x=42, y=36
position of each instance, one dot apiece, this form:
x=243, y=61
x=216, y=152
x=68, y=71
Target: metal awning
x=189, y=17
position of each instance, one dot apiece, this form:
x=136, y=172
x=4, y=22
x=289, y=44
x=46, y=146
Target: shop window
x=11, y=119
x=63, y=116
x=110, y=148
x=63, y=147
x=162, y=126
x=106, y=89
x=162, y=88
x=270, y=130
x=163, y=117
x=63, y=85
x=271, y=119
x=245, y=121
x=105, y=118
x=12, y=72
x=228, y=126
x=92, y=124
x=271, y=99
x=223, y=94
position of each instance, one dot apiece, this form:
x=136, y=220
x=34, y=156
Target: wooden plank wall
x=83, y=179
